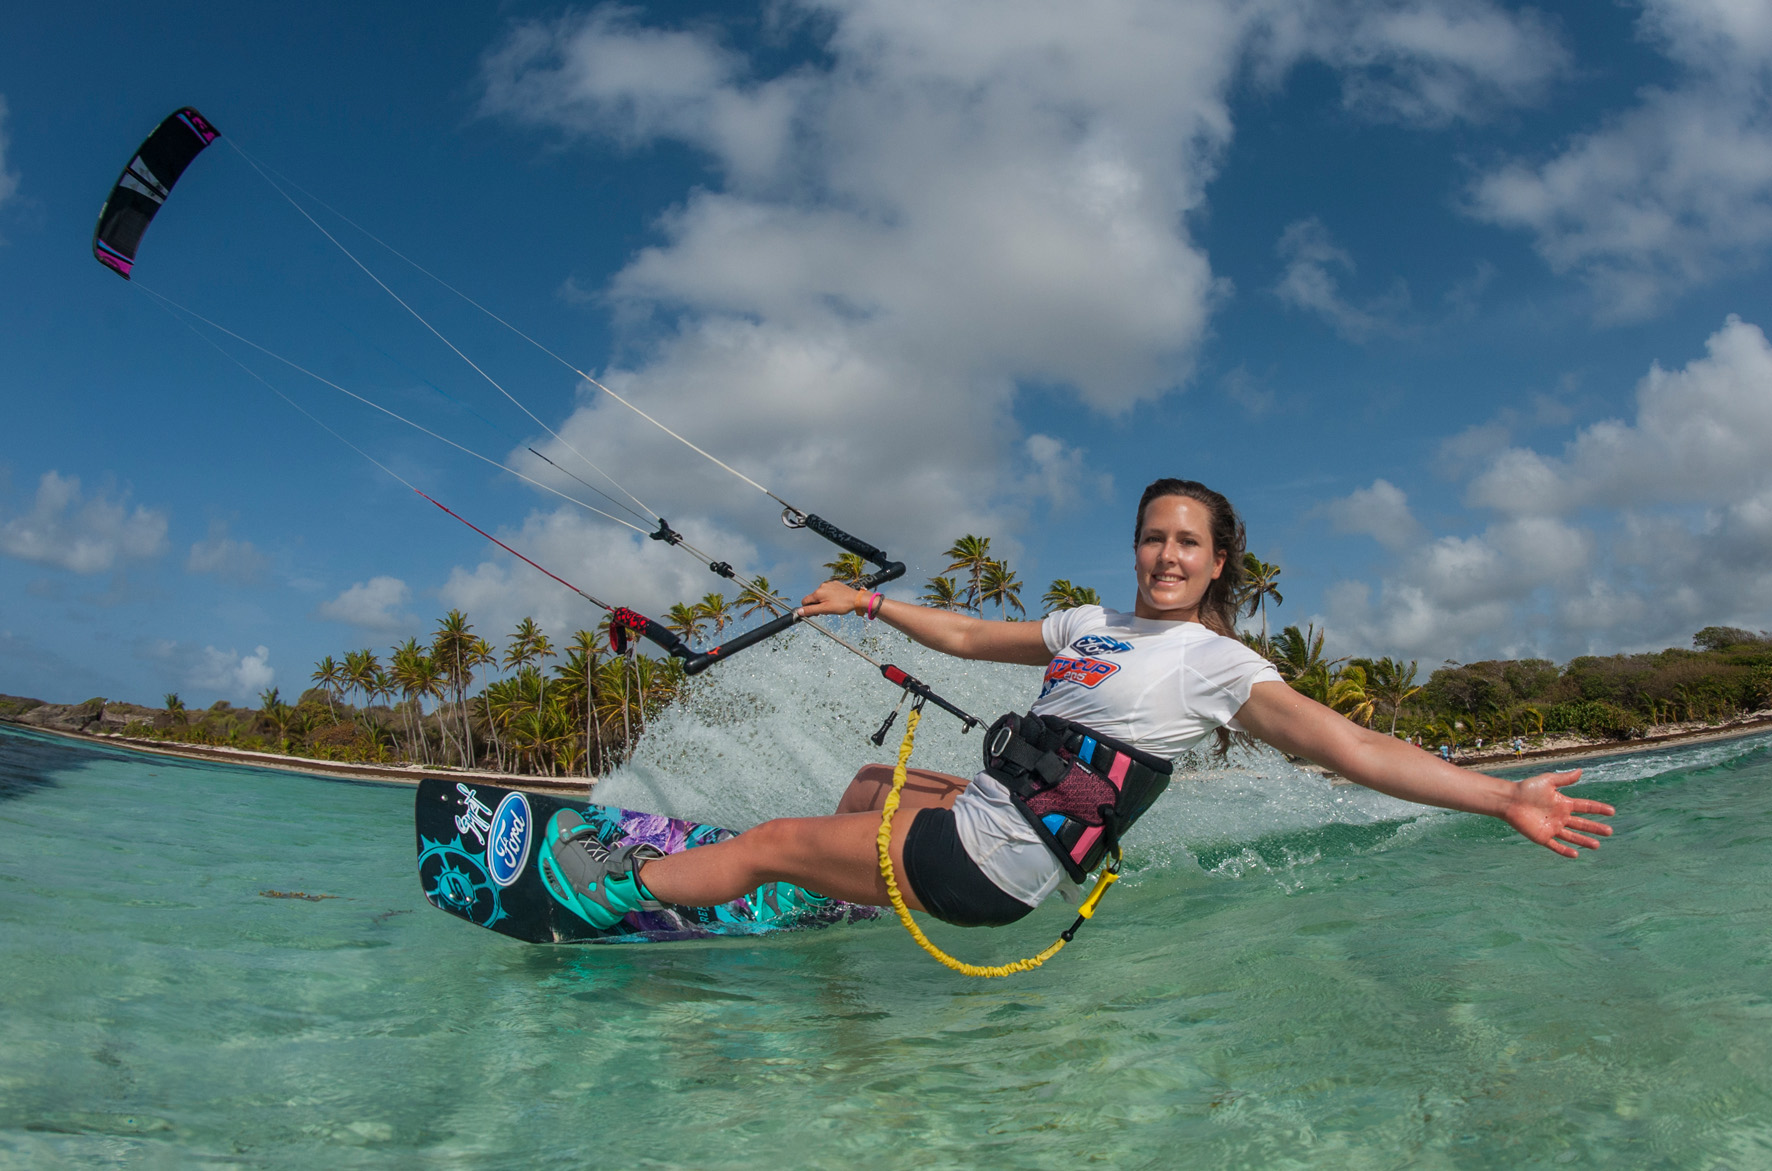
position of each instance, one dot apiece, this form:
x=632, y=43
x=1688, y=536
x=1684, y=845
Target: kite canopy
x=144, y=185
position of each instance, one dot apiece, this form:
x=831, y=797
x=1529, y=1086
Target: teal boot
x=594, y=882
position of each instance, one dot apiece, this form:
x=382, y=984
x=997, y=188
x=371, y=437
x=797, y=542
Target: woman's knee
x=873, y=774
x=783, y=838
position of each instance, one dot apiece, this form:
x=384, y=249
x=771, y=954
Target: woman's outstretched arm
x=1535, y=807
x=960, y=635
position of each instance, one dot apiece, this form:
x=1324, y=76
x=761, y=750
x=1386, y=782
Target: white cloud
x=1248, y=392
x=227, y=673
x=1380, y=511
x=955, y=200
x=1672, y=192
x=1702, y=434
x=1310, y=284
x=1639, y=533
x=8, y=178
x=1425, y=63
x=225, y=557
x=65, y=528
x=605, y=74
x=232, y=673
x=373, y=605
x=1061, y=474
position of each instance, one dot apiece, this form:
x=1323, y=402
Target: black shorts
x=947, y=881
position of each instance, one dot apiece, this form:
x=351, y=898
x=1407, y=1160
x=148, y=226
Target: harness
x=1088, y=788
x=1079, y=790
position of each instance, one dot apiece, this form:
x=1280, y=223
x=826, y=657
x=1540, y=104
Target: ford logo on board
x=507, y=845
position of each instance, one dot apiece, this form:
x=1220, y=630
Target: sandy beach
x=406, y=774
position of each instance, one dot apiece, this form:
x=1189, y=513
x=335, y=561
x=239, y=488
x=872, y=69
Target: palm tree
x=578, y=686
x=453, y=647
x=525, y=644
x=330, y=675
x=1062, y=595
x=713, y=607
x=482, y=654
x=528, y=645
x=970, y=555
x=1298, y=657
x=998, y=584
x=406, y=670
x=175, y=709
x=686, y=621
x=1260, y=578
x=380, y=687
x=759, y=595
x=1348, y=694
x=360, y=671
x=944, y=594
x=848, y=568
x=276, y=713
x=433, y=681
x=1394, y=683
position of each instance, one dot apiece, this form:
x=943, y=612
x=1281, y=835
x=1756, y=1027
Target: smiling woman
x=1123, y=696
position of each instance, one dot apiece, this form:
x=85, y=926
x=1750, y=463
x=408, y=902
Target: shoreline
x=387, y=774
x=1601, y=748
x=411, y=774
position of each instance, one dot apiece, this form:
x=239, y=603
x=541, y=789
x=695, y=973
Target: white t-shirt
x=1160, y=686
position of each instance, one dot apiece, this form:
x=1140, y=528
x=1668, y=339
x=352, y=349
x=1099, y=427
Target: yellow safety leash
x=1109, y=876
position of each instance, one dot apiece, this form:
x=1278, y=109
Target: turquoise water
x=1353, y=987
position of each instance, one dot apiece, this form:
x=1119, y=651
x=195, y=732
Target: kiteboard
x=477, y=851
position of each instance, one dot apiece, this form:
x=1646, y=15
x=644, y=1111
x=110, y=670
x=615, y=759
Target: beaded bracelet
x=874, y=605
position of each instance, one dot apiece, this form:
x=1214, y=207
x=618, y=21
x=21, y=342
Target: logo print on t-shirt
x=1088, y=672
x=1101, y=644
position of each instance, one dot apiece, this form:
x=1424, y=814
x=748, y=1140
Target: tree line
x=1726, y=674
x=576, y=710
x=580, y=709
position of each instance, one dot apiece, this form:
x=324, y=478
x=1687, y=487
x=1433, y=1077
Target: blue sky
x=1461, y=303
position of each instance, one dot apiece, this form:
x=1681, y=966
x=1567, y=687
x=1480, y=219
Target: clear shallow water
x=1296, y=975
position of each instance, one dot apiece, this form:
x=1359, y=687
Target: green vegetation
x=579, y=710
x=1463, y=705
x=578, y=716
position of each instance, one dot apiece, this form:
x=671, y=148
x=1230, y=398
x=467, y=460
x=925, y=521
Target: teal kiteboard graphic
x=477, y=851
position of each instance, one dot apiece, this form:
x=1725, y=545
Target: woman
x=1153, y=683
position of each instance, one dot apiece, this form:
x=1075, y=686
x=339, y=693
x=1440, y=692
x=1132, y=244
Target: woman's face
x=1175, y=559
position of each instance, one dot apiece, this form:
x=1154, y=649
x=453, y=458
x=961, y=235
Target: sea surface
x=1294, y=975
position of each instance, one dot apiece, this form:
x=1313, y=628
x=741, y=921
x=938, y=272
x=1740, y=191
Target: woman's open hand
x=833, y=597
x=1541, y=813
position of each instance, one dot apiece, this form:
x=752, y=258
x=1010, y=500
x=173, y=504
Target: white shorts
x=1002, y=843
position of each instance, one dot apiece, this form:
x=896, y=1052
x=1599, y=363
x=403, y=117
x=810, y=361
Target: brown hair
x=1218, y=609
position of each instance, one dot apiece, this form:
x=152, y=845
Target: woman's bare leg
x=922, y=789
x=835, y=856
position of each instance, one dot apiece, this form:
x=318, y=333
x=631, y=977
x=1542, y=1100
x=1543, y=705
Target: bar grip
x=891, y=571
x=856, y=545
x=696, y=664
x=632, y=620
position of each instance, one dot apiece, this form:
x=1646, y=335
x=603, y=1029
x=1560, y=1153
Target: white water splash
x=779, y=730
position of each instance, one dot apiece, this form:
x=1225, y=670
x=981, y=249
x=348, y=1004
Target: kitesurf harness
x=1079, y=789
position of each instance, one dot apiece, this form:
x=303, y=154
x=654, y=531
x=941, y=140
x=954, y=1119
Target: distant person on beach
x=1124, y=695
x=1519, y=747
